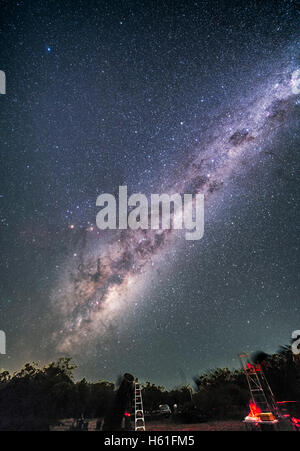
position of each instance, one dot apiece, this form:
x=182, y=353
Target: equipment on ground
x=264, y=413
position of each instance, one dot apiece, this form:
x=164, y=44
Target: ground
x=228, y=425
x=169, y=425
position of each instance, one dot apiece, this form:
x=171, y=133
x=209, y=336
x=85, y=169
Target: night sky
x=161, y=96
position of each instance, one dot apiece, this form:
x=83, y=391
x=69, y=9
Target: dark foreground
x=168, y=425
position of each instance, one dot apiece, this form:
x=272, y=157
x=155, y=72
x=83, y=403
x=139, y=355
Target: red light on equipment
x=254, y=410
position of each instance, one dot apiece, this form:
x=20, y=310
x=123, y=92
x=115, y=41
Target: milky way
x=95, y=291
x=163, y=97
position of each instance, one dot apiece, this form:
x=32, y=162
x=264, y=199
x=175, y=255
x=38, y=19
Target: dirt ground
x=167, y=425
x=228, y=425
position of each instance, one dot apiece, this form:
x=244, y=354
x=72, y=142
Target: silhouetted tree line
x=34, y=398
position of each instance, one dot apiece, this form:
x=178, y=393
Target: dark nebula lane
x=98, y=290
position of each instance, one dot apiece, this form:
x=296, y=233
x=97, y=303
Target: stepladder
x=260, y=391
x=139, y=419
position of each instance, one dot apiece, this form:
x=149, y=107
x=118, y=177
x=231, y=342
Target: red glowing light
x=253, y=368
x=254, y=410
x=296, y=421
x=127, y=414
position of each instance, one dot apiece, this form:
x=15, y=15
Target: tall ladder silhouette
x=260, y=391
x=139, y=420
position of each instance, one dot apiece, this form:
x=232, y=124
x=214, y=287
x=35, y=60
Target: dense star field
x=164, y=97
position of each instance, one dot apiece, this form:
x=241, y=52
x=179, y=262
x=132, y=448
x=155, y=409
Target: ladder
x=260, y=391
x=139, y=420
